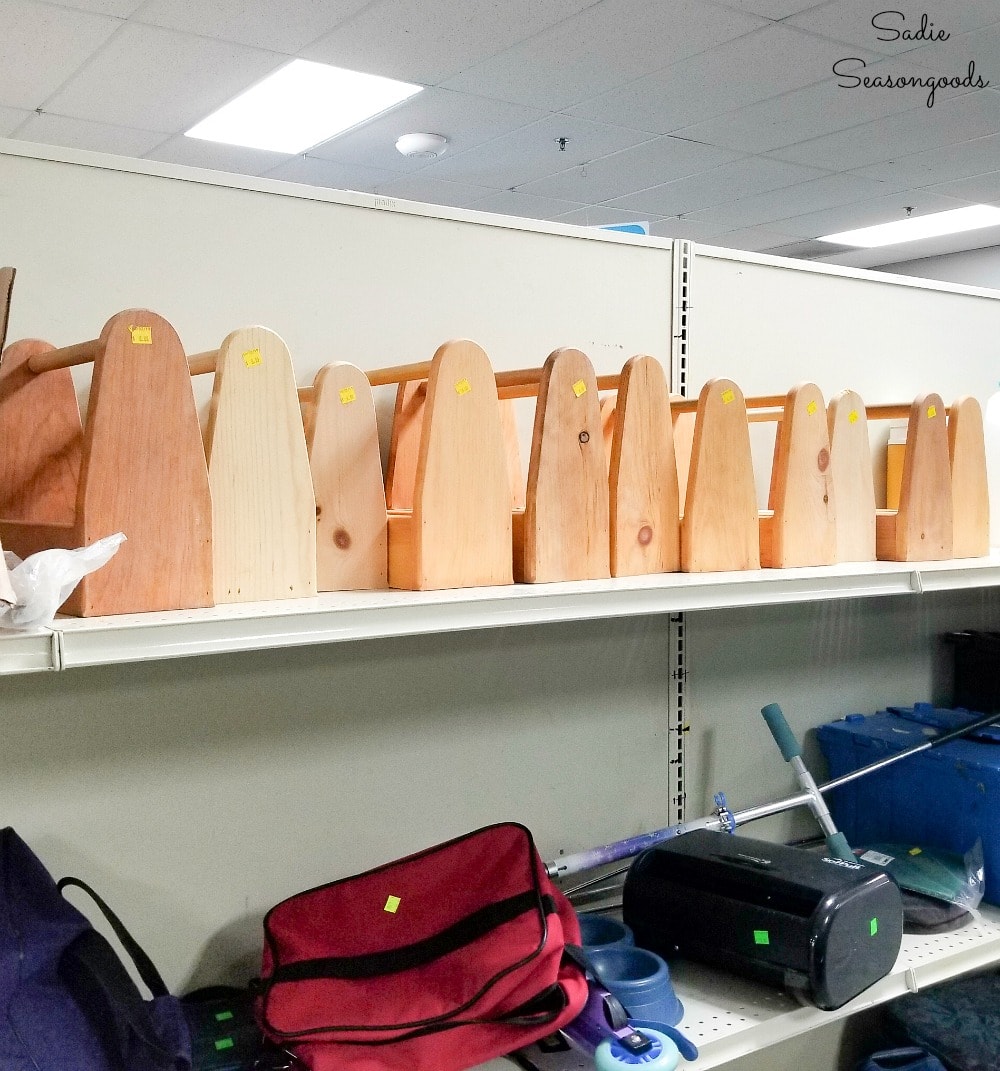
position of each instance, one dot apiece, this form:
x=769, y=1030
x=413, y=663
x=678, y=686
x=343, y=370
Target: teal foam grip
x=783, y=736
x=840, y=849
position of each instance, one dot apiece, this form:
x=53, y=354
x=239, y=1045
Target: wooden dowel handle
x=400, y=373
x=523, y=383
x=201, y=363
x=81, y=353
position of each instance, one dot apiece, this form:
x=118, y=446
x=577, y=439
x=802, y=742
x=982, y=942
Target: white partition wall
x=769, y=323
x=340, y=276
x=194, y=793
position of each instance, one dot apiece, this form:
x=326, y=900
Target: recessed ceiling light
x=910, y=229
x=301, y=105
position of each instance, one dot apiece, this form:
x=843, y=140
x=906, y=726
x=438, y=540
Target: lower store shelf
x=729, y=1017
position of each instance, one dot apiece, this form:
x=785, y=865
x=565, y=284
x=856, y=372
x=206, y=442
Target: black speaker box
x=824, y=929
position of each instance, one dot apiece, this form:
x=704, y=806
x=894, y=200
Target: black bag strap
x=376, y=964
x=143, y=964
x=104, y=990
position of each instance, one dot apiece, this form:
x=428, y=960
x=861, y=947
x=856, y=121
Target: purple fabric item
x=41, y=1026
x=44, y=1025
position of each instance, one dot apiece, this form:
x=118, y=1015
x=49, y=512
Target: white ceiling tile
x=401, y=39
x=649, y=164
x=464, y=120
x=237, y=159
x=157, y=79
x=866, y=213
x=949, y=122
x=11, y=119
x=121, y=9
x=285, y=27
x=313, y=172
x=605, y=46
x=754, y=67
x=80, y=134
x=981, y=47
x=599, y=216
x=980, y=189
x=512, y=203
x=753, y=239
x=826, y=192
x=41, y=46
x=718, y=186
x=850, y=21
x=533, y=152
x=823, y=108
x=429, y=190
x=693, y=231
x=772, y=9
x=939, y=165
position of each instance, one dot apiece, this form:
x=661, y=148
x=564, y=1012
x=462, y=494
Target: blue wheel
x=611, y=1055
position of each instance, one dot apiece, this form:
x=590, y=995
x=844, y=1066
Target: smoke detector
x=422, y=146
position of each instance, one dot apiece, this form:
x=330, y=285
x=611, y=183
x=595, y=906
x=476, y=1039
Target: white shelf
x=345, y=616
x=729, y=1017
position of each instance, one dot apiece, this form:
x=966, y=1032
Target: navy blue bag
x=66, y=1001
x=905, y=1059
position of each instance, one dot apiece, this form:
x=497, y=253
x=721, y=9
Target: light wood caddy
x=567, y=512
x=263, y=506
x=338, y=412
x=457, y=532
x=137, y=466
x=720, y=529
x=970, y=496
x=851, y=475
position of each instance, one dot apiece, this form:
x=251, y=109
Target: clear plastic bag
x=943, y=875
x=43, y=581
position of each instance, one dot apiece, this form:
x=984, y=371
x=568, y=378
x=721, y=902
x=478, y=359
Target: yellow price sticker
x=392, y=905
x=347, y=395
x=579, y=388
x=728, y=396
x=811, y=408
x=852, y=417
x=141, y=336
x=463, y=386
x=931, y=412
x=252, y=358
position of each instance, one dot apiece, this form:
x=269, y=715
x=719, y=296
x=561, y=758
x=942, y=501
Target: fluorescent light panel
x=910, y=229
x=301, y=105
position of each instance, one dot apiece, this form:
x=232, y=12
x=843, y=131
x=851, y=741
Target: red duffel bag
x=436, y=962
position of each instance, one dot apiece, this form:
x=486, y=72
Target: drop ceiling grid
x=702, y=108
x=603, y=48
x=29, y=75
x=155, y=79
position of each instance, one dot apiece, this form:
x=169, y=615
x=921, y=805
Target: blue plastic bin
x=943, y=799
